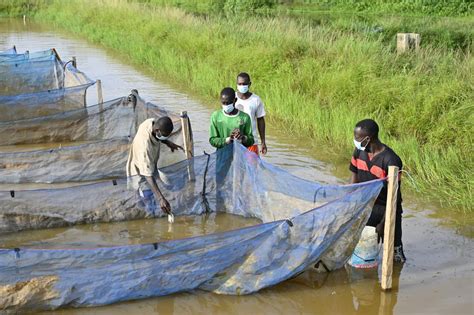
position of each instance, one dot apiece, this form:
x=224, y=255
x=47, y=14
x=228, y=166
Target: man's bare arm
x=172, y=146
x=261, y=132
x=164, y=204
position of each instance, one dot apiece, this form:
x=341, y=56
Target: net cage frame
x=102, y=129
x=240, y=261
x=47, y=73
x=303, y=223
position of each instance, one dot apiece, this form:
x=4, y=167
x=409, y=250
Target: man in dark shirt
x=370, y=161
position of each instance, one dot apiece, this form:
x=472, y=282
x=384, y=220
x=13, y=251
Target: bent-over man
x=143, y=158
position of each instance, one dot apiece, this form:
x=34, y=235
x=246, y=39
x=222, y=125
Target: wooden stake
x=100, y=98
x=100, y=101
x=408, y=41
x=187, y=142
x=55, y=52
x=389, y=229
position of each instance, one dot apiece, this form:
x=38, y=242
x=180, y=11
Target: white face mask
x=243, y=88
x=228, y=108
x=161, y=138
x=358, y=144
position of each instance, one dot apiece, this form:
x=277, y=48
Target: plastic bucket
x=367, y=250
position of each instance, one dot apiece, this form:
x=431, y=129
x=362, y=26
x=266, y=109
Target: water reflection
x=339, y=292
x=125, y=233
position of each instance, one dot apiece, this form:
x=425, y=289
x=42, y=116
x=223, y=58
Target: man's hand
x=173, y=146
x=235, y=134
x=264, y=148
x=165, y=205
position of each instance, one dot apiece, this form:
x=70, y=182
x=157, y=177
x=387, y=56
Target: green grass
x=317, y=79
x=412, y=7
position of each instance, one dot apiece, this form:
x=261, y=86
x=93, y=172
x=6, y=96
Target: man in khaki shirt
x=143, y=158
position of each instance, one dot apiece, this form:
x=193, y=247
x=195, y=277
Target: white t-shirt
x=253, y=106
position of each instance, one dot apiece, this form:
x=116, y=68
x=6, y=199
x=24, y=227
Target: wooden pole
x=74, y=62
x=408, y=41
x=100, y=101
x=389, y=229
x=100, y=98
x=188, y=145
x=55, y=52
x=187, y=142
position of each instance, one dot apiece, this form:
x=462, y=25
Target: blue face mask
x=243, y=88
x=228, y=108
x=358, y=144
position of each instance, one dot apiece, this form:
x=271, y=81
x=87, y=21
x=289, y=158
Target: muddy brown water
x=438, y=277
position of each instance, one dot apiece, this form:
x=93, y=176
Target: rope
x=203, y=193
x=412, y=180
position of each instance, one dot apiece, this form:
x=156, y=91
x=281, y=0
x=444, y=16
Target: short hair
x=244, y=75
x=369, y=126
x=229, y=92
x=165, y=124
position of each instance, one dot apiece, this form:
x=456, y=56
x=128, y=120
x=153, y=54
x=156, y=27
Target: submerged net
x=38, y=84
x=304, y=223
x=89, y=143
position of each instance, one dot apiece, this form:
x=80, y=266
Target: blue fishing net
x=303, y=223
x=38, y=84
x=7, y=54
x=85, y=144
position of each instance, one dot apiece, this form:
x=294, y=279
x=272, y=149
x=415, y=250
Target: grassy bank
x=411, y=7
x=316, y=80
x=444, y=23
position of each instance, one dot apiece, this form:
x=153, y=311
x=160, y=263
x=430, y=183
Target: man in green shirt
x=229, y=124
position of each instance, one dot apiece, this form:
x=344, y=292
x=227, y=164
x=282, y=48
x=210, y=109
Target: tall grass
x=413, y=7
x=315, y=80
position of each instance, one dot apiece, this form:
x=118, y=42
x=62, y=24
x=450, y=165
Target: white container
x=367, y=250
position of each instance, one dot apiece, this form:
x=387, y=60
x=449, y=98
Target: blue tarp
x=304, y=223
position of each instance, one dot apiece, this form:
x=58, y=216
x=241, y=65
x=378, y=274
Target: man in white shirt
x=252, y=105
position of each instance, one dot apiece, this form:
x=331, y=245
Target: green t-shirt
x=222, y=126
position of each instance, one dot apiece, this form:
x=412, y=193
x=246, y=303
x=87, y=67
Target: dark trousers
x=377, y=215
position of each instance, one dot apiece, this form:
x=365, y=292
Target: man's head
x=162, y=128
x=243, y=82
x=365, y=132
x=228, y=96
